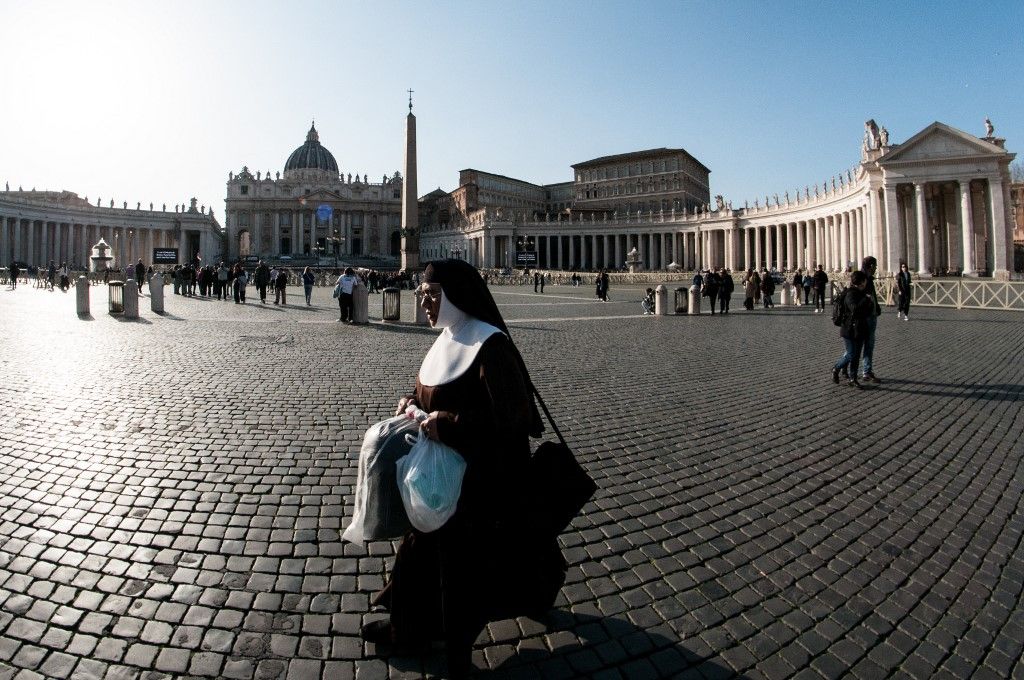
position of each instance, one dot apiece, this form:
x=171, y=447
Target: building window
x=245, y=189
x=397, y=193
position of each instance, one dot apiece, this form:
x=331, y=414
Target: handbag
x=561, y=485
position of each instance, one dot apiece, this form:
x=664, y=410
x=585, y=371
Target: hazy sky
x=146, y=101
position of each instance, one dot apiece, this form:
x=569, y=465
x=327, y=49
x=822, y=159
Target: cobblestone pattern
x=172, y=492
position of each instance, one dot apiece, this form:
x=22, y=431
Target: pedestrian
x=711, y=289
x=542, y=277
x=536, y=281
x=176, y=279
x=869, y=265
x=750, y=289
x=767, y=289
x=798, y=282
x=308, y=279
x=65, y=281
x=903, y=292
x=262, y=278
x=343, y=292
x=820, y=281
x=281, y=287
x=240, y=281
x=15, y=273
x=808, y=284
x=223, y=275
x=725, y=288
x=487, y=562
x=140, y=274
x=51, y=275
x=605, y=284
x=857, y=308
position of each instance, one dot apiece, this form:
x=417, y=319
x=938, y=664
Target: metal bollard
x=694, y=300
x=82, y=295
x=360, y=303
x=682, y=303
x=131, y=300
x=420, y=314
x=392, y=301
x=660, y=300
x=115, y=296
x=156, y=293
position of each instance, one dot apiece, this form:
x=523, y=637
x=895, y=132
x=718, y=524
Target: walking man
x=869, y=266
x=820, y=281
x=262, y=278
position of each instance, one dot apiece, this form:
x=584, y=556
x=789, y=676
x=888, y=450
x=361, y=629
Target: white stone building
x=275, y=217
x=39, y=226
x=939, y=201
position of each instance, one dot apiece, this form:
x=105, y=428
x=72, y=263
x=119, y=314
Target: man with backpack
x=850, y=311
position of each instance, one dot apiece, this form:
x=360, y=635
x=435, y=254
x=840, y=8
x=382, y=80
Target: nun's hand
x=403, y=404
x=429, y=425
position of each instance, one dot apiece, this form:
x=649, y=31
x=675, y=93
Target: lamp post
x=336, y=242
x=128, y=257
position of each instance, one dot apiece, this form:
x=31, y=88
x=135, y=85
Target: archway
x=244, y=244
x=396, y=244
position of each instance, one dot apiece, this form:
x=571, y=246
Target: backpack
x=839, y=310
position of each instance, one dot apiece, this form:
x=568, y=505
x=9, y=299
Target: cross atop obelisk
x=410, y=206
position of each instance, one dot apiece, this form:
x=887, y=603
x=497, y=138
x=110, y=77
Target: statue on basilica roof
x=883, y=136
x=989, y=128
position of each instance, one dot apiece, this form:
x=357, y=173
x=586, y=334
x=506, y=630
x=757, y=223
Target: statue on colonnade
x=883, y=136
x=989, y=128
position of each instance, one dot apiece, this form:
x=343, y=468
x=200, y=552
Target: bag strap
x=547, y=413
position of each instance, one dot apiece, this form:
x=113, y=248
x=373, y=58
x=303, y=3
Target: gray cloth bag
x=379, y=513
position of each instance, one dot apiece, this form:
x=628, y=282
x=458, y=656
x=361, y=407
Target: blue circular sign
x=324, y=212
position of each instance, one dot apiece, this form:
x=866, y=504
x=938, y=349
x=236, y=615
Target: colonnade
x=835, y=241
x=38, y=241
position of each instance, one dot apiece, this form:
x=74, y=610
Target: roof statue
x=989, y=128
x=883, y=136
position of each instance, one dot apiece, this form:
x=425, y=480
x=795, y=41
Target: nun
x=487, y=562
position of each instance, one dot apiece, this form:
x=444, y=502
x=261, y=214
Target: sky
x=159, y=101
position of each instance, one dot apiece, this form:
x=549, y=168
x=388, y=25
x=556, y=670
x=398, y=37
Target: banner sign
x=526, y=258
x=165, y=256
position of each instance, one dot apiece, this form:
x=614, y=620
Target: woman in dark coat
x=858, y=307
x=711, y=284
x=725, y=288
x=485, y=563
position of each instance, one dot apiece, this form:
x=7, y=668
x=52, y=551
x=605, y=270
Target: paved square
x=172, y=490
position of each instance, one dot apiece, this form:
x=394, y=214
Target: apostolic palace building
x=941, y=201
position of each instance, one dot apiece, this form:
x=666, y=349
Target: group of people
x=716, y=285
x=56, y=276
x=857, y=311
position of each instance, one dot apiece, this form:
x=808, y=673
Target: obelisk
x=410, y=206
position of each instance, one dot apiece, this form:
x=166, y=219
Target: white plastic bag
x=379, y=511
x=430, y=480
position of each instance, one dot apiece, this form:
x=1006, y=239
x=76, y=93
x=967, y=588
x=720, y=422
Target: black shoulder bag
x=561, y=484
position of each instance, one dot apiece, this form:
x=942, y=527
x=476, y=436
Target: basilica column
x=967, y=228
x=895, y=245
x=757, y=248
x=1002, y=236
x=923, y=247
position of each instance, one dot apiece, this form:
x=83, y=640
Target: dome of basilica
x=311, y=155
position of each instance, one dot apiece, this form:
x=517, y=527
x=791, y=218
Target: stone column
x=894, y=230
x=584, y=260
x=1002, y=230
x=923, y=247
x=967, y=228
x=801, y=258
x=844, y=240
x=757, y=248
x=5, y=243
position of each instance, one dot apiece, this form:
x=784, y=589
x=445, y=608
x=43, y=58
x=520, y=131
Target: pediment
x=940, y=142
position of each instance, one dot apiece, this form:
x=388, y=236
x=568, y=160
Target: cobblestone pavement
x=172, y=490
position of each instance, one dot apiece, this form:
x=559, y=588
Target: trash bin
x=682, y=301
x=392, y=300
x=116, y=292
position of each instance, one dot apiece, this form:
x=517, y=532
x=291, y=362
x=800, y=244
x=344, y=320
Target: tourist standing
x=857, y=310
x=240, y=281
x=798, y=282
x=808, y=284
x=820, y=281
x=281, y=287
x=869, y=266
x=767, y=288
x=15, y=273
x=222, y=281
x=262, y=278
x=176, y=279
x=65, y=281
x=343, y=291
x=308, y=279
x=536, y=281
x=903, y=291
x=725, y=288
x=750, y=289
x=711, y=289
